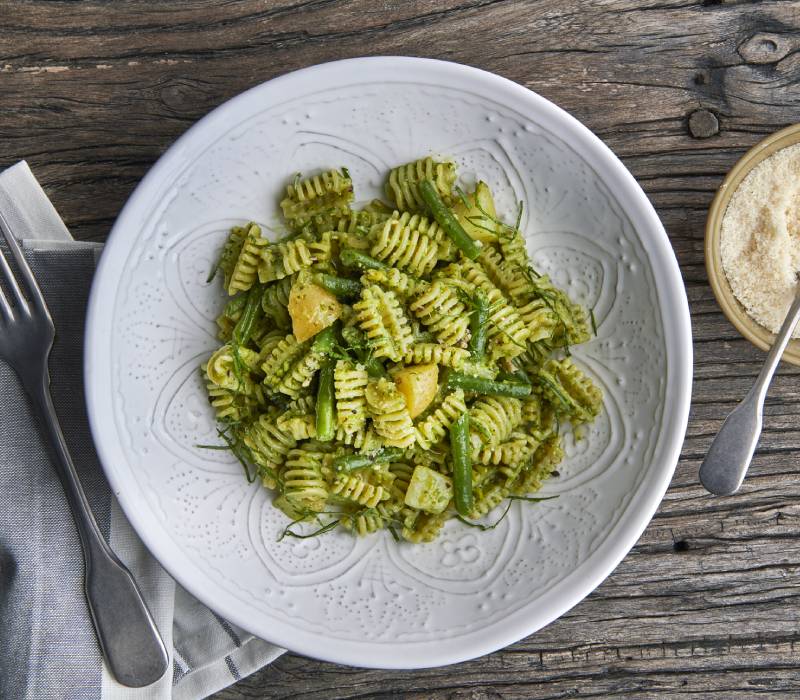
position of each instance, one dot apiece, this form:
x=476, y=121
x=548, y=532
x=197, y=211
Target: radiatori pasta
x=382, y=369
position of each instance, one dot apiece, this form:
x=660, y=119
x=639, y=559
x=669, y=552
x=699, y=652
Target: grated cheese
x=760, y=238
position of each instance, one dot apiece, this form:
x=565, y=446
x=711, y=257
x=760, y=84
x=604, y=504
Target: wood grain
x=707, y=604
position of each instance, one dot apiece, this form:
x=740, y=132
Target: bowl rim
x=642, y=504
x=734, y=311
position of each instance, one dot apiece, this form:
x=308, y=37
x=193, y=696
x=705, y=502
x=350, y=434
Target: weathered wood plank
x=78, y=77
x=707, y=603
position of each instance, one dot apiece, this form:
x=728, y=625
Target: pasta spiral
x=533, y=358
x=298, y=420
x=275, y=300
x=435, y=425
x=381, y=317
x=331, y=190
x=431, y=229
x=547, y=308
x=437, y=459
x=503, y=275
x=532, y=411
x=245, y=269
x=350, y=224
x=267, y=342
x=231, y=407
x=321, y=249
x=402, y=478
x=300, y=373
x=230, y=315
x=357, y=222
x=221, y=369
x=394, y=280
x=487, y=498
x=363, y=439
x=540, y=320
x=424, y=527
x=481, y=473
x=357, y=489
x=432, y=353
x=514, y=249
x=403, y=185
x=268, y=444
x=364, y=522
x=350, y=383
x=440, y=309
x=230, y=252
x=492, y=418
x=283, y=259
x=390, y=416
x=514, y=451
x=303, y=485
x=291, y=366
x=330, y=182
x=279, y=362
x=572, y=326
x=511, y=471
x=570, y=390
x=520, y=288
x=545, y=459
x=404, y=247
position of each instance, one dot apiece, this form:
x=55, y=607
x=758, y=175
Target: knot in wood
x=765, y=48
x=180, y=97
x=703, y=123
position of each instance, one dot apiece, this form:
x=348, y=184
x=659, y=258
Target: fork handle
x=128, y=636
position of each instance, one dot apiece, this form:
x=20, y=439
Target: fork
x=129, y=639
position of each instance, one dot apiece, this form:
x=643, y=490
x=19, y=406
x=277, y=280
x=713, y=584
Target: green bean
x=325, y=409
x=324, y=340
x=349, y=462
x=340, y=286
x=235, y=305
x=518, y=377
x=375, y=368
x=479, y=325
x=462, y=464
x=444, y=217
x=357, y=259
x=490, y=387
x=244, y=326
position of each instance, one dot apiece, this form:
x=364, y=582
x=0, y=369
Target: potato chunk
x=428, y=490
x=480, y=218
x=418, y=385
x=311, y=308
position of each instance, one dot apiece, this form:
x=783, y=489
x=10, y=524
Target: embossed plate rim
x=669, y=290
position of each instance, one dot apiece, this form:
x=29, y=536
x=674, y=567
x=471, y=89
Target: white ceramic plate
x=373, y=602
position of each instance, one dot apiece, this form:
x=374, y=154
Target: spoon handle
x=728, y=458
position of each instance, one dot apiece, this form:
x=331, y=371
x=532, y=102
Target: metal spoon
x=728, y=458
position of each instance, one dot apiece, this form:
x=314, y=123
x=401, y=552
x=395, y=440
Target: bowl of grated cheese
x=752, y=241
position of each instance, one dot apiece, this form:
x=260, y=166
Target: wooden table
x=709, y=600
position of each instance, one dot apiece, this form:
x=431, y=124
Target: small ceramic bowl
x=750, y=329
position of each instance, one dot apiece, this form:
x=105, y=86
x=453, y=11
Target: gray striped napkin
x=47, y=644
